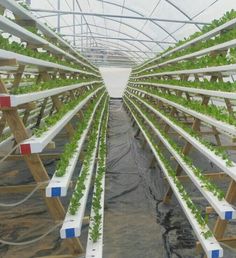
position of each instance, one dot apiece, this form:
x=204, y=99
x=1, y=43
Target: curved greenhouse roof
x=127, y=32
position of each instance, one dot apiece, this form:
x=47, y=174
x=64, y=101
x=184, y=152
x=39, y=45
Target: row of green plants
x=185, y=196
x=71, y=147
x=217, y=112
x=53, y=119
x=55, y=83
x=90, y=148
x=202, y=62
x=205, y=84
x=217, y=150
x=223, y=37
x=34, y=30
x=20, y=48
x=96, y=219
x=197, y=172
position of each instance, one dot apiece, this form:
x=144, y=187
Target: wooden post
x=18, y=76
x=220, y=226
x=58, y=104
x=2, y=123
x=41, y=112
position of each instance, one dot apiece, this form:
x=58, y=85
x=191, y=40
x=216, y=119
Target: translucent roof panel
x=127, y=32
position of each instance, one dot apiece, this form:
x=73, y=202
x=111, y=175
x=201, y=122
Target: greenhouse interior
x=117, y=129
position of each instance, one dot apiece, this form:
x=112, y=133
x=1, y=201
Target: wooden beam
x=35, y=46
x=62, y=256
x=42, y=156
x=209, y=210
x=18, y=76
x=2, y=10
x=25, y=23
x=58, y=104
x=8, y=62
x=41, y=112
x=221, y=225
x=228, y=147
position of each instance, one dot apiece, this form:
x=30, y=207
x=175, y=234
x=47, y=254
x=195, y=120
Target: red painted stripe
x=25, y=149
x=5, y=101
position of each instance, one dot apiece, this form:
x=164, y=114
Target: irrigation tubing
x=24, y=199
x=5, y=242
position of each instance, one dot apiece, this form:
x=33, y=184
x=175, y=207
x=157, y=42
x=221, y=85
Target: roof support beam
x=114, y=50
x=124, y=44
x=139, y=14
x=108, y=28
x=111, y=29
x=108, y=56
x=129, y=46
x=111, y=60
x=112, y=45
x=117, y=38
x=119, y=16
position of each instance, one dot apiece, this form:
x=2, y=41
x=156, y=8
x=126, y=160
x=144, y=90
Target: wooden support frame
x=38, y=170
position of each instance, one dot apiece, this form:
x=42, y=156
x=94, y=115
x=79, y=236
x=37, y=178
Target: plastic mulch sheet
x=137, y=223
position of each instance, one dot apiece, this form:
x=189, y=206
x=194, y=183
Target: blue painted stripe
x=56, y=191
x=70, y=232
x=228, y=215
x=215, y=254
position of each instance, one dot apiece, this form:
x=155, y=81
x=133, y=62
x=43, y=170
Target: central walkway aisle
x=130, y=229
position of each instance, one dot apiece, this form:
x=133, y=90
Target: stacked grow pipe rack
x=150, y=91
x=210, y=245
x=226, y=26
x=95, y=235
x=21, y=112
x=25, y=18
x=72, y=224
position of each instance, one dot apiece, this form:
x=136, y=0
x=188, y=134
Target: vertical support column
x=2, y=123
x=41, y=112
x=81, y=20
x=18, y=76
x=220, y=226
x=2, y=10
x=58, y=16
x=58, y=104
x=74, y=23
